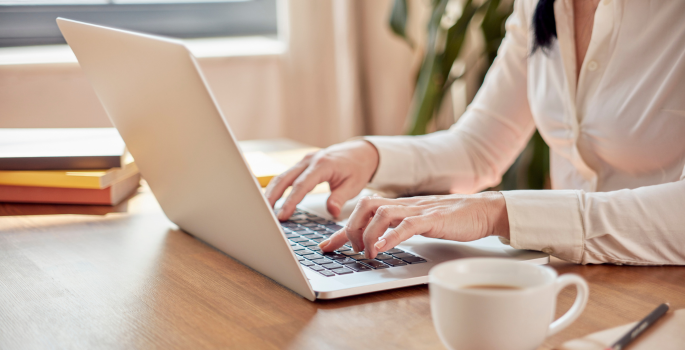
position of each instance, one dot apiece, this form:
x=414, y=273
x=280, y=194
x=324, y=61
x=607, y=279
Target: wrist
x=498, y=215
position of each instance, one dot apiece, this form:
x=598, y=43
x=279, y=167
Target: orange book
x=111, y=195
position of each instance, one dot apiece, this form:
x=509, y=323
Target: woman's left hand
x=454, y=217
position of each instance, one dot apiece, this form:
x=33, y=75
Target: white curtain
x=345, y=73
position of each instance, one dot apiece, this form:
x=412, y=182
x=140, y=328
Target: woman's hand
x=454, y=217
x=347, y=167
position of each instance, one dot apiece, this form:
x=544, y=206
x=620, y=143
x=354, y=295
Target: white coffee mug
x=471, y=312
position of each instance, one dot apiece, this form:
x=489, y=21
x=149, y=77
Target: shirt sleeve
x=475, y=152
x=642, y=226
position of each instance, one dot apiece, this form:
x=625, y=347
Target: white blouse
x=616, y=136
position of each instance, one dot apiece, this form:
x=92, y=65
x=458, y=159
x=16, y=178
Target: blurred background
x=315, y=71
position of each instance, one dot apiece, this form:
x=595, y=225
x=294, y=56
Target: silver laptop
x=156, y=96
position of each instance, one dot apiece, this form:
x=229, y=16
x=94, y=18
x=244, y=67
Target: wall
x=58, y=95
x=339, y=72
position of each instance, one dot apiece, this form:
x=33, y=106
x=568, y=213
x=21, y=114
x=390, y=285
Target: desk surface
x=130, y=279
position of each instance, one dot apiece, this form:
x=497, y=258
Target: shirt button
x=592, y=66
x=548, y=250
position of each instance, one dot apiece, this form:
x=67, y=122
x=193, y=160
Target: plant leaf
x=456, y=36
x=398, y=20
x=428, y=87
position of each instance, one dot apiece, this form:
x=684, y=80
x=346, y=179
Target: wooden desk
x=131, y=279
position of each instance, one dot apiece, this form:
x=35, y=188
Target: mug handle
x=578, y=306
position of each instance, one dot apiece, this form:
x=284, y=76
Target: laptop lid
x=155, y=95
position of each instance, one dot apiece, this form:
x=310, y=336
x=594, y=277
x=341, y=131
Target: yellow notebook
x=267, y=165
x=94, y=179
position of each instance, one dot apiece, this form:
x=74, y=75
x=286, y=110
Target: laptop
x=153, y=90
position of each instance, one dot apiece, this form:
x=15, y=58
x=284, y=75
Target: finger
x=306, y=182
x=339, y=195
x=386, y=216
x=334, y=242
x=360, y=217
x=278, y=185
x=409, y=227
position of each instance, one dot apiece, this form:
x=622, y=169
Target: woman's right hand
x=347, y=167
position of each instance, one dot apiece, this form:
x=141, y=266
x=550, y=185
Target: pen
x=640, y=327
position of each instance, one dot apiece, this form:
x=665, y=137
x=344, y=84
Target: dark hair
x=544, y=26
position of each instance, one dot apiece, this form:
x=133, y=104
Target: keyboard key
x=349, y=252
x=393, y=251
x=288, y=224
x=307, y=233
x=332, y=266
x=375, y=264
x=414, y=260
x=343, y=249
x=332, y=255
x=315, y=248
x=299, y=239
x=292, y=244
x=297, y=247
x=334, y=227
x=298, y=228
x=358, y=267
x=346, y=260
x=311, y=225
x=307, y=263
x=308, y=243
x=318, y=240
x=383, y=256
x=316, y=268
x=326, y=273
x=358, y=256
x=321, y=261
x=291, y=235
x=300, y=221
x=395, y=262
x=299, y=258
x=342, y=271
x=315, y=235
x=403, y=255
x=303, y=252
x=318, y=228
x=312, y=256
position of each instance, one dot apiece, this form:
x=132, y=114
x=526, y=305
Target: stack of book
x=66, y=166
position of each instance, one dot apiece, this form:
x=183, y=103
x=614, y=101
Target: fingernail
x=325, y=243
x=380, y=244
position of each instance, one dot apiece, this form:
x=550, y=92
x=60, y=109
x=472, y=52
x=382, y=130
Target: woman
x=604, y=83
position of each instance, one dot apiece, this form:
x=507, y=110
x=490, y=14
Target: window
x=32, y=22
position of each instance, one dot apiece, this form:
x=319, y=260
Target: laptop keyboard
x=305, y=231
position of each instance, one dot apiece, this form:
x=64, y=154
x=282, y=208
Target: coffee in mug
x=495, y=304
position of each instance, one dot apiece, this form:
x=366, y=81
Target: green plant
x=447, y=28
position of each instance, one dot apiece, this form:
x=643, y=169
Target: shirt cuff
x=395, y=162
x=546, y=220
